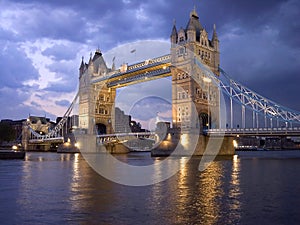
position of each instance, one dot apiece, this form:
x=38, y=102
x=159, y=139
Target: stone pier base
x=176, y=143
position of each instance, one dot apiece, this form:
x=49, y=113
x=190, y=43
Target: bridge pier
x=44, y=147
x=187, y=144
x=215, y=145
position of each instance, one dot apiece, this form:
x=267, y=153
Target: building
x=193, y=94
x=124, y=124
x=11, y=131
x=102, y=106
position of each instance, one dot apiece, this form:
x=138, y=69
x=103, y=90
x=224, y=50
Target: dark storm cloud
x=37, y=105
x=68, y=77
x=15, y=66
x=61, y=52
x=65, y=103
x=262, y=50
x=61, y=87
x=13, y=104
x=259, y=40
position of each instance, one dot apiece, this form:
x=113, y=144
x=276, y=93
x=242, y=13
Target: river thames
x=51, y=188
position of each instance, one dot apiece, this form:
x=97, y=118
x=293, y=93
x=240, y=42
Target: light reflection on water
x=50, y=188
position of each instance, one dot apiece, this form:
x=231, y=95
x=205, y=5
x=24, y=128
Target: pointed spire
x=98, y=51
x=174, y=30
x=174, y=34
x=82, y=63
x=215, y=36
x=82, y=67
x=194, y=13
x=194, y=23
x=113, y=67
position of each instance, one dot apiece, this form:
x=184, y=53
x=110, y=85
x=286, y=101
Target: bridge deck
x=148, y=69
x=256, y=131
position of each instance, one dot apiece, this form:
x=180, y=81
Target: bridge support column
x=206, y=145
x=215, y=145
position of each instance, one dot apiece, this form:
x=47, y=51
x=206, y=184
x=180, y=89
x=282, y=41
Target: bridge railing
x=255, y=131
x=55, y=133
x=136, y=67
x=139, y=77
x=264, y=112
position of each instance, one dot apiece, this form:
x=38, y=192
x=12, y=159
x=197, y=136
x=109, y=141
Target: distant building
x=11, y=130
x=124, y=124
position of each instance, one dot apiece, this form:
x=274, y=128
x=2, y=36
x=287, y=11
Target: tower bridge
x=206, y=102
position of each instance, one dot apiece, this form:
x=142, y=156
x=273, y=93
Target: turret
x=90, y=64
x=174, y=34
x=99, y=64
x=194, y=27
x=81, y=68
x=191, y=32
x=215, y=40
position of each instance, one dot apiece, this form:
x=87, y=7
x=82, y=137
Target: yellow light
x=76, y=145
x=235, y=144
x=14, y=147
x=206, y=79
x=184, y=139
x=235, y=158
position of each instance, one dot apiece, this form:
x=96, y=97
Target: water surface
x=51, y=188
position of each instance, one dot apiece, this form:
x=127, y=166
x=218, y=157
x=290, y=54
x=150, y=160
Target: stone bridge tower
x=190, y=88
x=96, y=101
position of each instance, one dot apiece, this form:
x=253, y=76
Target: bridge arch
x=204, y=120
x=101, y=128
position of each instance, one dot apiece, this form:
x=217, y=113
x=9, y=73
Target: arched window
x=101, y=98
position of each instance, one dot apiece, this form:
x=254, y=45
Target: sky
x=42, y=43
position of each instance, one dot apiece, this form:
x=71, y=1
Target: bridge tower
x=96, y=101
x=189, y=85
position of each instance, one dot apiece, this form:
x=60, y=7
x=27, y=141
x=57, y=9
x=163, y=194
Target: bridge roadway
x=295, y=131
x=48, y=140
x=146, y=70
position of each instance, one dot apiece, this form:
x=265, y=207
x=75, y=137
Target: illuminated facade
x=96, y=101
x=190, y=88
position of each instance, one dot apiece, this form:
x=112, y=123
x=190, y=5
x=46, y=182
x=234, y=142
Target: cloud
x=63, y=103
x=16, y=68
x=150, y=107
x=14, y=104
x=61, y=52
x=42, y=42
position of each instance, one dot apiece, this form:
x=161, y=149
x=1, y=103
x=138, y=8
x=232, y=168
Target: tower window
x=101, y=97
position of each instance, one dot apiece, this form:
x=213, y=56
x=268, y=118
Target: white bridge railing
x=255, y=131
